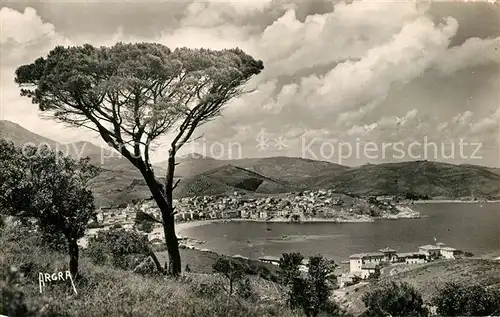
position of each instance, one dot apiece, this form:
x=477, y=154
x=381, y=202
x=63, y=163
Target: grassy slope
x=429, y=277
x=106, y=291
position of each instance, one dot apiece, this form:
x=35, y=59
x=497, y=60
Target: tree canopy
x=460, y=299
x=41, y=184
x=394, y=299
x=133, y=93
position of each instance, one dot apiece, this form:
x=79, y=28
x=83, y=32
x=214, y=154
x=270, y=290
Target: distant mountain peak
x=196, y=156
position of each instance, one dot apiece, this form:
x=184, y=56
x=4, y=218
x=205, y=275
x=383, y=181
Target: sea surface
x=469, y=227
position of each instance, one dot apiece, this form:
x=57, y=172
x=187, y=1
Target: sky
x=349, y=82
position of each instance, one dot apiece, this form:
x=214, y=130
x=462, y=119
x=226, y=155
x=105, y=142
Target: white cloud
x=329, y=75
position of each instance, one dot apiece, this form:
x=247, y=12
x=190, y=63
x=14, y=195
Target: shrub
x=311, y=294
x=266, y=274
x=121, y=248
x=208, y=289
x=459, y=299
x=245, y=290
x=54, y=240
x=375, y=275
x=394, y=299
x=146, y=267
x=231, y=269
x=12, y=302
x=289, y=267
x=143, y=222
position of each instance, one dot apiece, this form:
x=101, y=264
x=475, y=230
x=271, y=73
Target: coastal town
x=308, y=205
x=318, y=205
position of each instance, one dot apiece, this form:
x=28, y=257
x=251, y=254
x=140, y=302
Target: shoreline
x=181, y=227
x=448, y=201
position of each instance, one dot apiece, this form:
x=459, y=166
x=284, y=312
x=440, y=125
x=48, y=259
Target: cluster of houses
x=294, y=206
x=363, y=265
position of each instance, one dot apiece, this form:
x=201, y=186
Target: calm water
x=468, y=227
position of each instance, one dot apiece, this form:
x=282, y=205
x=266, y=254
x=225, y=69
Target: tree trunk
x=174, y=256
x=73, y=257
x=166, y=210
x=152, y=254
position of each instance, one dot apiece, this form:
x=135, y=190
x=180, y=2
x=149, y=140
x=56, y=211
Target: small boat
x=268, y=229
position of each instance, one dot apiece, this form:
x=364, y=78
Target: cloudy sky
x=337, y=76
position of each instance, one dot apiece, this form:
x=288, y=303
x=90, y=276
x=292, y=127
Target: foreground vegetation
x=113, y=288
x=105, y=290
x=119, y=274
x=464, y=282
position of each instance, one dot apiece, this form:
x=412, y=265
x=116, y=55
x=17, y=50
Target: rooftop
x=366, y=255
x=429, y=247
x=448, y=249
x=410, y=255
x=387, y=250
x=269, y=258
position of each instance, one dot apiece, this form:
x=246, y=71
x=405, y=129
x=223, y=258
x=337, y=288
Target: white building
x=368, y=269
x=389, y=254
x=430, y=251
x=270, y=259
x=449, y=253
x=100, y=217
x=356, y=261
x=439, y=251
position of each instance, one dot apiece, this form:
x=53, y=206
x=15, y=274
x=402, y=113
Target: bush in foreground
x=394, y=299
x=459, y=299
x=118, y=247
x=108, y=291
x=311, y=293
x=233, y=271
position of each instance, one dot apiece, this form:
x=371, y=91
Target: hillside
x=420, y=177
x=288, y=169
x=120, y=183
x=103, y=157
x=226, y=179
x=14, y=132
x=428, y=278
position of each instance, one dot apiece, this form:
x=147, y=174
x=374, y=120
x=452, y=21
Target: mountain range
x=120, y=183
